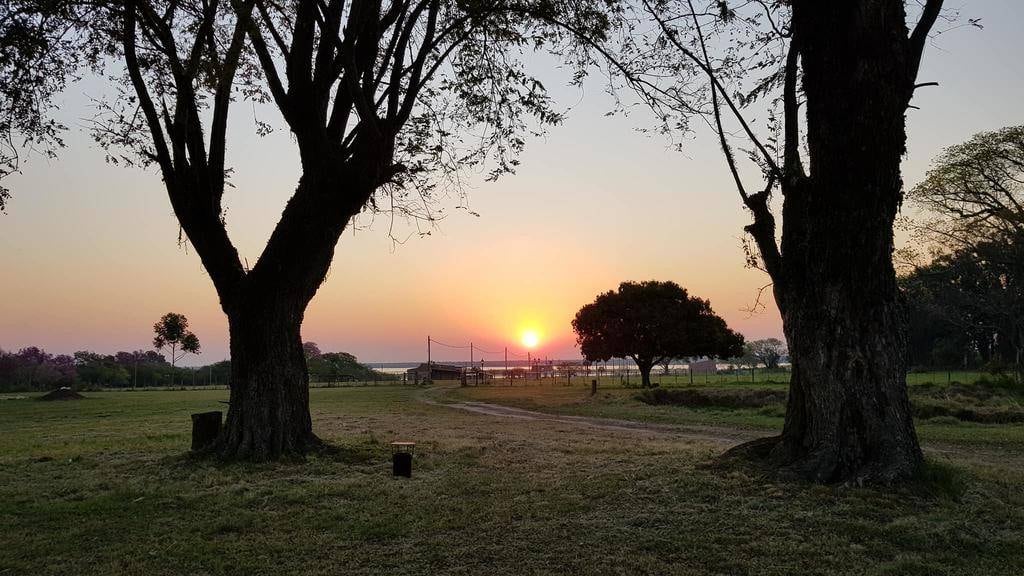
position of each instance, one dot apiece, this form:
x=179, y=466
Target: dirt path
x=725, y=436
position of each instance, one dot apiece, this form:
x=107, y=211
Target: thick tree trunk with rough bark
x=268, y=415
x=848, y=417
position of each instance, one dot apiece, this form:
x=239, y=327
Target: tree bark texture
x=848, y=417
x=268, y=416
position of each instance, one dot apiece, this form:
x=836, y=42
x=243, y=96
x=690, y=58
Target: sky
x=90, y=254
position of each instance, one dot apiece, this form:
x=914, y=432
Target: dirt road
x=724, y=436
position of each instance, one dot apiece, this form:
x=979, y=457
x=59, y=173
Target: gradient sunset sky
x=90, y=257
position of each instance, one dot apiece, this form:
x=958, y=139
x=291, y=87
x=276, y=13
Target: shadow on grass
x=352, y=452
x=936, y=481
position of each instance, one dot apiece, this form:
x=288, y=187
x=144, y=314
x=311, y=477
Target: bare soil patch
x=61, y=394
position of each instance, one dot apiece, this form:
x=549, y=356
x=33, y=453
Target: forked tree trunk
x=269, y=414
x=848, y=416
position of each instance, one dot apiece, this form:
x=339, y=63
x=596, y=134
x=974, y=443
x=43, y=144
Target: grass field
x=742, y=377
x=103, y=486
x=616, y=401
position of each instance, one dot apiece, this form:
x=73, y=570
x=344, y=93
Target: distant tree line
x=34, y=369
x=330, y=367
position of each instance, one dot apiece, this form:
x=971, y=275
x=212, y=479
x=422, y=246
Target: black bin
x=401, y=464
x=401, y=458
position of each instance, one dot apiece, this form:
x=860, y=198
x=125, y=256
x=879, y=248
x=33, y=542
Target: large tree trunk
x=645, y=366
x=848, y=417
x=268, y=415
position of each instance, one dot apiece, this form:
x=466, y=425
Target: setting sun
x=530, y=338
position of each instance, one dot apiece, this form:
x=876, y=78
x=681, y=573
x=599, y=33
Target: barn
x=433, y=371
x=706, y=366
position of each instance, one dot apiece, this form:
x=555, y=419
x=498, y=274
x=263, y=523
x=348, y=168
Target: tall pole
x=428, y=352
x=506, y=366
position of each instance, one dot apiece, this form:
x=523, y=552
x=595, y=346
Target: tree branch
x=145, y=100
x=792, y=164
x=920, y=35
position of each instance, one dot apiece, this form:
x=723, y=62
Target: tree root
x=773, y=456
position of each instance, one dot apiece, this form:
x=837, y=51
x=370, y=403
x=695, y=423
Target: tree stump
x=593, y=387
x=205, y=429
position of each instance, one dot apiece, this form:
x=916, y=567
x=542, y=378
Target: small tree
x=651, y=322
x=767, y=351
x=172, y=330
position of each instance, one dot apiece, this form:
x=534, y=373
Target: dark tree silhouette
x=851, y=65
x=651, y=322
x=967, y=304
x=386, y=102
x=974, y=225
x=172, y=331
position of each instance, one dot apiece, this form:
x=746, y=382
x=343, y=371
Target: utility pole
x=428, y=352
x=506, y=367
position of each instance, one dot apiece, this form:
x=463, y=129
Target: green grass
x=616, y=401
x=102, y=486
x=745, y=376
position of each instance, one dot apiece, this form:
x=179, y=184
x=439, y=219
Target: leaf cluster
x=651, y=321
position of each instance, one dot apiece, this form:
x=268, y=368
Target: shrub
x=712, y=398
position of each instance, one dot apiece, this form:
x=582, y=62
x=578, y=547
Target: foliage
x=443, y=83
x=101, y=371
x=974, y=192
x=339, y=367
x=973, y=221
x=32, y=368
x=952, y=322
x=768, y=351
x=311, y=350
x=39, y=56
x=649, y=322
x=172, y=330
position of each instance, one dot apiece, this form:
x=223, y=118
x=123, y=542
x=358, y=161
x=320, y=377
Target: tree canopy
x=172, y=331
x=768, y=351
x=972, y=227
x=649, y=322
